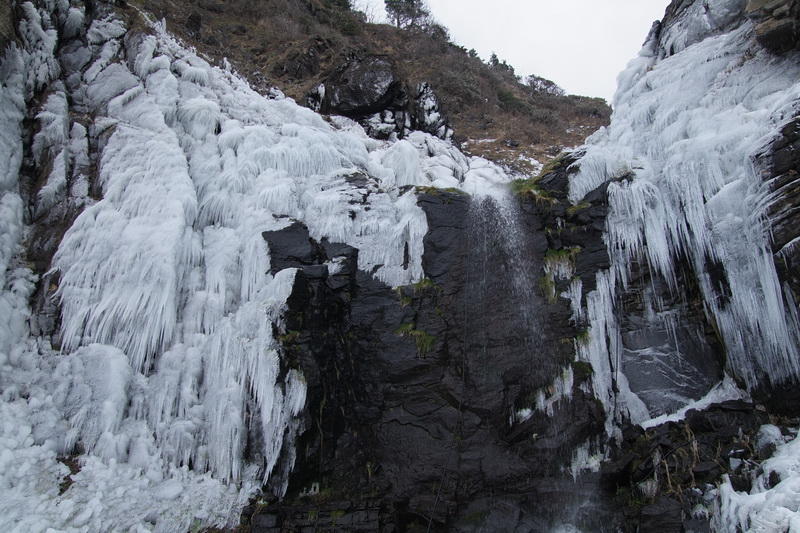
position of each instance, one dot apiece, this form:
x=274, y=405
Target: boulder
x=194, y=23
x=361, y=87
x=368, y=89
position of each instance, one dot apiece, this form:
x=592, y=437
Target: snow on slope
x=167, y=367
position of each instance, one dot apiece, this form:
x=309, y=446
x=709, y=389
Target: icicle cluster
x=690, y=113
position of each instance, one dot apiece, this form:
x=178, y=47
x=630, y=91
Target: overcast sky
x=580, y=44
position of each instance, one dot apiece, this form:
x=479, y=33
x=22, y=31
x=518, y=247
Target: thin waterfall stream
x=505, y=287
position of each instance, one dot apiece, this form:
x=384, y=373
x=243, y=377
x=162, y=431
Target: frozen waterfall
x=166, y=375
x=683, y=187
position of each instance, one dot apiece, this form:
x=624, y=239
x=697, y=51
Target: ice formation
x=769, y=507
x=165, y=366
x=690, y=114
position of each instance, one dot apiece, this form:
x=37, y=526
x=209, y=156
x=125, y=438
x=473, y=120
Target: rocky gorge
x=221, y=309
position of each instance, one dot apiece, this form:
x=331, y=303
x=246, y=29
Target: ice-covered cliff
x=161, y=365
x=700, y=209
x=210, y=294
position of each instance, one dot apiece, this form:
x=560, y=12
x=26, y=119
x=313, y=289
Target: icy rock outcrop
x=693, y=452
x=699, y=168
x=779, y=164
x=667, y=355
x=361, y=87
x=369, y=90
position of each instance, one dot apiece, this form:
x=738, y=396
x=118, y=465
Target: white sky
x=580, y=44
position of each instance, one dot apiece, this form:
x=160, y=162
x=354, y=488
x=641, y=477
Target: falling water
x=503, y=259
x=503, y=291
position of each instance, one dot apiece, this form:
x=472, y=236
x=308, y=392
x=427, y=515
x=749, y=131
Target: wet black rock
x=660, y=475
x=412, y=393
x=362, y=86
x=292, y=247
x=662, y=516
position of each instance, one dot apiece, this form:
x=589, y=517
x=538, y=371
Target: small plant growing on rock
x=424, y=285
x=560, y=263
x=530, y=189
x=574, y=209
x=548, y=287
x=551, y=165
x=422, y=339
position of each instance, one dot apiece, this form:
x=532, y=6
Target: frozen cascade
x=165, y=371
x=690, y=115
x=495, y=224
x=678, y=156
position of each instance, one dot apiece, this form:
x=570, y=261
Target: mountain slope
x=298, y=45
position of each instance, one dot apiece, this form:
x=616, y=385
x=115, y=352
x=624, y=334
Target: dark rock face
x=361, y=87
x=292, y=247
x=675, y=356
x=416, y=394
x=413, y=393
x=368, y=89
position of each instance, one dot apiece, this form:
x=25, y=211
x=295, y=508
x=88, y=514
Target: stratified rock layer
x=776, y=23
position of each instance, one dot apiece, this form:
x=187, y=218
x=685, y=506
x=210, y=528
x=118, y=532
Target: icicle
x=39, y=38
x=683, y=185
x=139, y=222
x=13, y=292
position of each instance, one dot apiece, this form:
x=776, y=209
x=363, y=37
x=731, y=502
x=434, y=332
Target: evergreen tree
x=407, y=13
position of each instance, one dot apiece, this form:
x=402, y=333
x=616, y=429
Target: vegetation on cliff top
x=294, y=45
